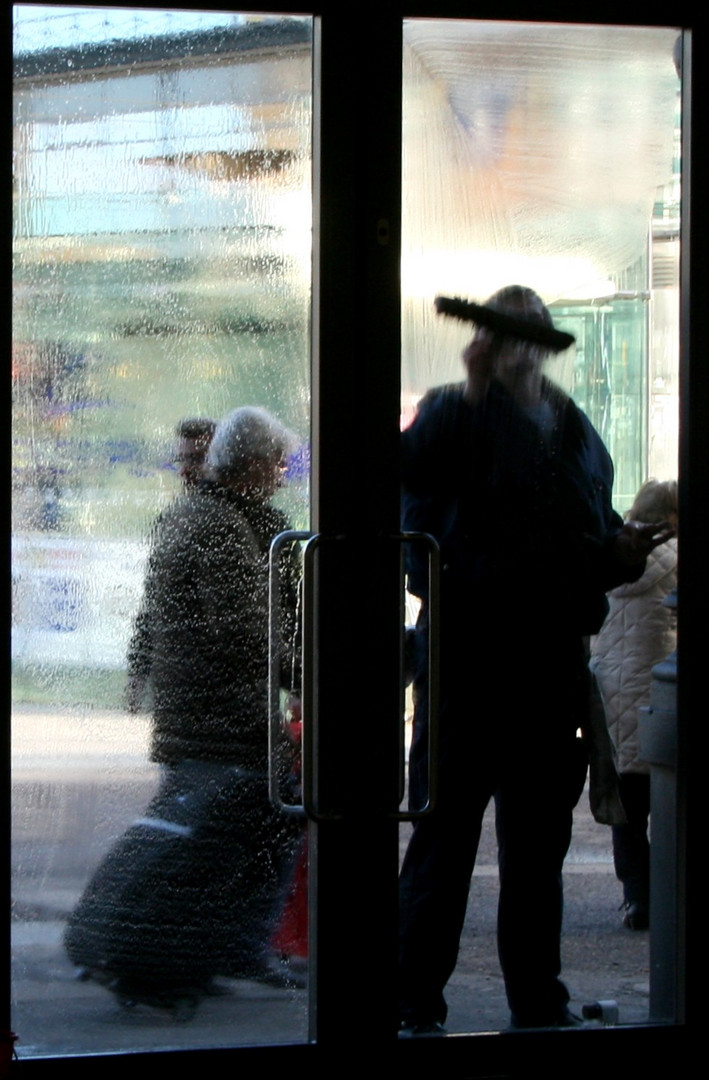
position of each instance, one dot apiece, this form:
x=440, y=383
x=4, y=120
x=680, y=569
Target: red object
x=291, y=937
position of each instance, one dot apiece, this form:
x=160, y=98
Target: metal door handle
x=309, y=806
x=275, y=651
x=310, y=698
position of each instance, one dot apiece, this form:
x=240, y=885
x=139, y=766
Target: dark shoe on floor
x=409, y=1030
x=637, y=915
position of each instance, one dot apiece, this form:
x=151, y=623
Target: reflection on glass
x=547, y=155
x=162, y=272
x=544, y=156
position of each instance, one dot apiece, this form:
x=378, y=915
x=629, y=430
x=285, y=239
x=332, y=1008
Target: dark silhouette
x=514, y=483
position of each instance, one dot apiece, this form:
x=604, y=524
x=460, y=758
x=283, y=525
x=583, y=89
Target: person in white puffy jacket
x=638, y=633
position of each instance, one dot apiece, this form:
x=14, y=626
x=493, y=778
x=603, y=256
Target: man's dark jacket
x=520, y=506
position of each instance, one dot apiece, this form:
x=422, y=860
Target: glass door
x=162, y=285
x=163, y=246
x=176, y=176
x=541, y=155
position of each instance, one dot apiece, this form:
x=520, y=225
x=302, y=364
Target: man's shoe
x=637, y=915
x=409, y=1030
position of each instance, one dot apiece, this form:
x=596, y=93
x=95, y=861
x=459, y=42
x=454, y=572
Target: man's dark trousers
x=508, y=731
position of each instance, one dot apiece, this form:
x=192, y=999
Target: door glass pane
x=544, y=156
x=162, y=211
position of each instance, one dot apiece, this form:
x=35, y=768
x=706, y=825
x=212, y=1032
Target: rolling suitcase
x=192, y=890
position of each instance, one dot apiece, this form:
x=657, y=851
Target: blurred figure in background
x=193, y=440
x=638, y=633
x=194, y=437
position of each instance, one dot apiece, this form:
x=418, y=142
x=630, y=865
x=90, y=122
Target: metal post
x=657, y=736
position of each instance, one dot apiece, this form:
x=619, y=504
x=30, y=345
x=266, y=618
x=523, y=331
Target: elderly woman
x=193, y=889
x=206, y=597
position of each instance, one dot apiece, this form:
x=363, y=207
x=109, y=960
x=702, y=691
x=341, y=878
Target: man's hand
x=479, y=359
x=636, y=540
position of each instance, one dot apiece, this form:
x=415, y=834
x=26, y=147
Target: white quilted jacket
x=638, y=632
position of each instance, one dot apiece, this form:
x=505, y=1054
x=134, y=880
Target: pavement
x=601, y=959
x=79, y=784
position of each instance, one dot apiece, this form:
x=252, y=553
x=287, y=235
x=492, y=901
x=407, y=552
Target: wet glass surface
x=546, y=156
x=162, y=271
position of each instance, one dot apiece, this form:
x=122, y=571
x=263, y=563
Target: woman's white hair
x=246, y=434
